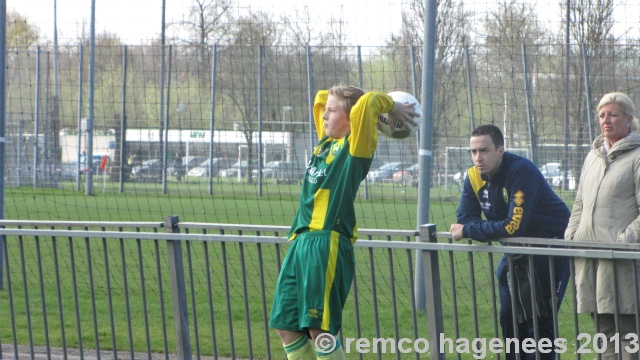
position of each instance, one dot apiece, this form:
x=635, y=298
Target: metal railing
x=148, y=290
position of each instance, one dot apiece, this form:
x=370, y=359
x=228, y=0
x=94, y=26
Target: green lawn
x=231, y=203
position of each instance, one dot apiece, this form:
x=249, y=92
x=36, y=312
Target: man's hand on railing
x=456, y=231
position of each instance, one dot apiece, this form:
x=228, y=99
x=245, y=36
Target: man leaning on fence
x=516, y=201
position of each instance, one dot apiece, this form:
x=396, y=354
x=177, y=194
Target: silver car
x=239, y=166
x=280, y=172
x=68, y=171
x=386, y=171
x=202, y=170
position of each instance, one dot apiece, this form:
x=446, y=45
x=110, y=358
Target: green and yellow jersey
x=337, y=167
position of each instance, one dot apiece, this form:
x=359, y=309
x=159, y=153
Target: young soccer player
x=316, y=274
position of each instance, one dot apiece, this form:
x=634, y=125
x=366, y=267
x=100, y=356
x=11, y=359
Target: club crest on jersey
x=335, y=148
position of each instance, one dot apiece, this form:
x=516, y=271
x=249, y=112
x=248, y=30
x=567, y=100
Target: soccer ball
x=399, y=131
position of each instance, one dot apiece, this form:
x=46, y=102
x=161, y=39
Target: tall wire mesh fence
x=247, y=107
x=249, y=104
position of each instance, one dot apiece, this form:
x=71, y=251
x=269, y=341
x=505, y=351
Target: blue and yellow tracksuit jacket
x=516, y=201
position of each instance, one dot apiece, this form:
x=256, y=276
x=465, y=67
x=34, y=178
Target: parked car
x=279, y=172
x=238, y=166
x=550, y=171
x=202, y=170
x=386, y=171
x=68, y=171
x=460, y=177
x=558, y=181
x=188, y=162
x=408, y=176
x=149, y=170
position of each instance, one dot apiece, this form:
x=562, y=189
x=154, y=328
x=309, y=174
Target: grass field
x=379, y=206
x=142, y=203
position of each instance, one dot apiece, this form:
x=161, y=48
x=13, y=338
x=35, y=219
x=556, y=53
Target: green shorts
x=314, y=282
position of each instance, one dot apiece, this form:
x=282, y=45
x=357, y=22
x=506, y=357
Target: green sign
x=197, y=135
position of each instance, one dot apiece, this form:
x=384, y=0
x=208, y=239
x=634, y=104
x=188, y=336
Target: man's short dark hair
x=491, y=130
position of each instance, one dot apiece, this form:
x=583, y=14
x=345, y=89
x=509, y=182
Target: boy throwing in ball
x=317, y=271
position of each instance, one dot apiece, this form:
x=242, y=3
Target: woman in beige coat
x=606, y=209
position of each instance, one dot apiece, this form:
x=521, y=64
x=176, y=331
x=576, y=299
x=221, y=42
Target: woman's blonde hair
x=625, y=103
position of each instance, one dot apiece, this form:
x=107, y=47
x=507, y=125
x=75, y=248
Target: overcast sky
x=368, y=22
x=137, y=21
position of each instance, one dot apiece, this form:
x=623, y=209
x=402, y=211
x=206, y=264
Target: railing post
x=2, y=240
x=431, y=270
x=178, y=291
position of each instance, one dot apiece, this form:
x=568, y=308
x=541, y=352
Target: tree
x=514, y=23
x=239, y=70
x=508, y=28
x=451, y=25
x=20, y=32
x=206, y=23
x=591, y=23
x=301, y=32
x=299, y=27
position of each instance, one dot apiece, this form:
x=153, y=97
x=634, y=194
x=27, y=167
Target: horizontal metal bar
x=558, y=242
x=573, y=244
x=144, y=235
x=111, y=224
x=189, y=225
x=273, y=228
x=381, y=244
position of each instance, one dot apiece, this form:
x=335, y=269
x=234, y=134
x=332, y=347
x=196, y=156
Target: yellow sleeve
x=364, y=116
x=318, y=110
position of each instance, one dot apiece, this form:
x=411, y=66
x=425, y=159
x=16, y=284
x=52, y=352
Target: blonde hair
x=347, y=96
x=625, y=103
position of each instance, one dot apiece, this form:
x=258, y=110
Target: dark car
x=188, y=163
x=149, y=170
x=385, y=172
x=408, y=176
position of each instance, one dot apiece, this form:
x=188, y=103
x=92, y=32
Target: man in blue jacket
x=516, y=201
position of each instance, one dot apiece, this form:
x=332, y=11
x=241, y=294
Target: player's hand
x=405, y=114
x=456, y=231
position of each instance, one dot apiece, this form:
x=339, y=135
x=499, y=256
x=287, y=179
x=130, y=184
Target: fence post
x=431, y=270
x=178, y=291
x=2, y=240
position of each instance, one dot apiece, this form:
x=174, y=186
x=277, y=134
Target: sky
x=137, y=21
x=368, y=22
